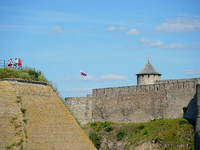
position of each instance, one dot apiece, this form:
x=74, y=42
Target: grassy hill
x=26, y=73
x=165, y=134
x=34, y=117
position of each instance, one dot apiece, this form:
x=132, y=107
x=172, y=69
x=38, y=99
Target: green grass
x=167, y=133
x=25, y=73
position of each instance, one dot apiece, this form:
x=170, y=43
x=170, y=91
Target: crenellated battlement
x=140, y=103
x=159, y=85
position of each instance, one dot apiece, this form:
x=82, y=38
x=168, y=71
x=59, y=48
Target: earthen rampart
x=32, y=116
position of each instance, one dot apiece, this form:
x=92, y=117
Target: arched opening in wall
x=185, y=110
x=157, y=88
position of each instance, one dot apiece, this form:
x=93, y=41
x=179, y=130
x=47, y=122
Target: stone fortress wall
x=141, y=103
x=151, y=98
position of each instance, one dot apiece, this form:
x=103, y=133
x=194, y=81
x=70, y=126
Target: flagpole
x=80, y=84
x=81, y=74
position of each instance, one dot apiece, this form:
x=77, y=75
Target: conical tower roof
x=148, y=69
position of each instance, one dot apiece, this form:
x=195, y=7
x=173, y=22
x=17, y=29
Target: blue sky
x=109, y=40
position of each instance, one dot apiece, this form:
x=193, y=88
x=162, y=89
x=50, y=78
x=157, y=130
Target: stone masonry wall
x=198, y=108
x=197, y=128
x=147, y=79
x=173, y=99
x=81, y=107
x=33, y=117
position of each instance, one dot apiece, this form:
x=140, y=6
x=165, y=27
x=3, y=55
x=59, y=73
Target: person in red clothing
x=19, y=63
x=10, y=63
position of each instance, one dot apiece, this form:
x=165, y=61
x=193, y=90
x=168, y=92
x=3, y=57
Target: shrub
x=106, y=123
x=108, y=129
x=23, y=110
x=25, y=120
x=120, y=135
x=141, y=126
x=145, y=132
x=96, y=139
x=26, y=73
x=93, y=124
x=183, y=121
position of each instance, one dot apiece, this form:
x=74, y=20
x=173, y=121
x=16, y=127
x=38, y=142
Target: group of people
x=16, y=65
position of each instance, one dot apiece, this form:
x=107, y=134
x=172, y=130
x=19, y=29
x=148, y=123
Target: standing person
x=19, y=63
x=10, y=62
x=15, y=63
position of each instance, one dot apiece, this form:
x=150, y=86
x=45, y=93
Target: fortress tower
x=148, y=75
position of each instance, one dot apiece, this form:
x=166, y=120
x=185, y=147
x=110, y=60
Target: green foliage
x=20, y=142
x=19, y=100
x=108, y=129
x=106, y=123
x=141, y=126
x=26, y=73
x=96, y=139
x=14, y=118
x=23, y=110
x=120, y=135
x=9, y=147
x=25, y=120
x=183, y=121
x=17, y=126
x=167, y=133
x=101, y=125
x=25, y=133
x=145, y=132
x=93, y=124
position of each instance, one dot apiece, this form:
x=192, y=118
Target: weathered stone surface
x=141, y=103
x=49, y=124
x=81, y=107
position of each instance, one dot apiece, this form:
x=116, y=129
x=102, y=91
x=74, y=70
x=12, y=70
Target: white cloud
x=144, y=40
x=133, y=32
x=120, y=47
x=104, y=78
x=89, y=27
x=111, y=77
x=156, y=43
x=132, y=48
x=121, y=28
x=174, y=46
x=87, y=78
x=179, y=25
x=57, y=30
x=111, y=28
x=71, y=30
x=190, y=72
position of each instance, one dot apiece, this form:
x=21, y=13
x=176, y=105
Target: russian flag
x=83, y=73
